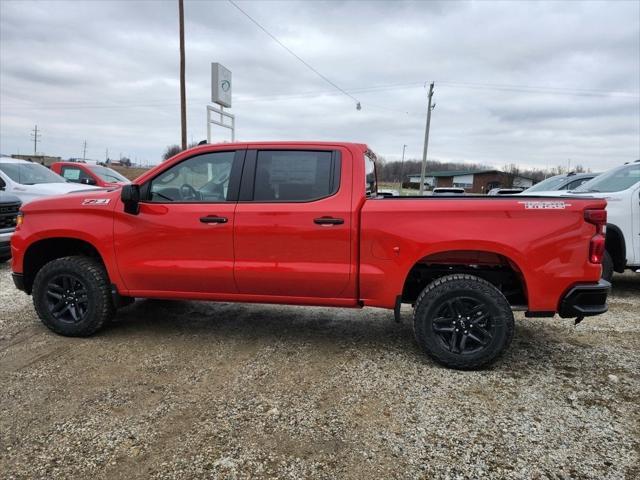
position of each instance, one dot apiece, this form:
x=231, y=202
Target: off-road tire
x=447, y=289
x=607, y=267
x=92, y=275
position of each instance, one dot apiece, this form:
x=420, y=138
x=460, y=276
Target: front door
x=182, y=238
x=293, y=224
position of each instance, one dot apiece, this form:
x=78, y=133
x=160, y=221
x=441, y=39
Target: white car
x=29, y=181
x=621, y=188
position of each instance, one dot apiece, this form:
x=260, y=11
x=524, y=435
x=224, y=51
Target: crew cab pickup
x=301, y=223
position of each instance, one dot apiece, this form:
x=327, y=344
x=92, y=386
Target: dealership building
x=473, y=181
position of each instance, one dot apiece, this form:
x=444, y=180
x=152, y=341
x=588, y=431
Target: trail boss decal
x=545, y=205
x=96, y=201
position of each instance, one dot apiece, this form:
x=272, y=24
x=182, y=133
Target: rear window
x=294, y=176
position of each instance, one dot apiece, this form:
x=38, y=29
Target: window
x=204, y=178
x=75, y=174
x=371, y=179
x=108, y=175
x=614, y=180
x=295, y=176
x=30, y=173
x=575, y=184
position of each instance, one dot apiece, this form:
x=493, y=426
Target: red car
x=89, y=174
x=301, y=223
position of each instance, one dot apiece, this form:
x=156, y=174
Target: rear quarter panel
x=548, y=246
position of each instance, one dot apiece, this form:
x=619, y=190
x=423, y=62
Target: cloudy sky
x=535, y=83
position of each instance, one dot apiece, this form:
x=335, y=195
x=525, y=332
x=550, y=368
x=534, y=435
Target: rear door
x=293, y=224
x=182, y=238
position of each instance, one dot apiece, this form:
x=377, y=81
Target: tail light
x=597, y=244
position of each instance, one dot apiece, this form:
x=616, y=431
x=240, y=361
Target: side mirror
x=88, y=181
x=130, y=196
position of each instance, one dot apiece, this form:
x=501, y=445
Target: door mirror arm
x=130, y=196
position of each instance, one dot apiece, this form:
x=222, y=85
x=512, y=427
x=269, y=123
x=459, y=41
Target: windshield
x=30, y=173
x=614, y=180
x=108, y=175
x=551, y=183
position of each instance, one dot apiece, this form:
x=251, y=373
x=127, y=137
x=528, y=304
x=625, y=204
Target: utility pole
x=183, y=93
x=35, y=135
x=402, y=168
x=106, y=156
x=426, y=139
x=84, y=151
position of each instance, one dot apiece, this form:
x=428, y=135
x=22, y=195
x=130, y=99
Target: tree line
x=394, y=171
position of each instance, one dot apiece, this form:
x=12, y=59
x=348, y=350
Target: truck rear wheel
x=463, y=322
x=607, y=267
x=72, y=296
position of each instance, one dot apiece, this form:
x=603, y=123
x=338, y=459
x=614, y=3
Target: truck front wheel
x=72, y=297
x=463, y=322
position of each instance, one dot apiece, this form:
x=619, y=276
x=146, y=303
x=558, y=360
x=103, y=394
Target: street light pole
x=183, y=93
x=402, y=168
x=426, y=140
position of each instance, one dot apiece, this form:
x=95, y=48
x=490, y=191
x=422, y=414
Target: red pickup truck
x=89, y=174
x=301, y=223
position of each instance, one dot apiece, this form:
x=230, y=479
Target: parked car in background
x=504, y=191
x=388, y=192
x=29, y=181
x=568, y=181
x=302, y=223
x=9, y=208
x=89, y=174
x=621, y=188
x=447, y=191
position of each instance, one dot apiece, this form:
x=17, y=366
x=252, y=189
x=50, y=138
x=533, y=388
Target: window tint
x=204, y=178
x=293, y=176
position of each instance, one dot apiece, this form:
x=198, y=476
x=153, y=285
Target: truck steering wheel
x=187, y=192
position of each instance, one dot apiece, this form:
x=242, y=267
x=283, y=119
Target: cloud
x=107, y=72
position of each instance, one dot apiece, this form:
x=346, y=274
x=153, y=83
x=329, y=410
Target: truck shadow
x=538, y=345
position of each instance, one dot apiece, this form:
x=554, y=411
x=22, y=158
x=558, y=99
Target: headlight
x=19, y=219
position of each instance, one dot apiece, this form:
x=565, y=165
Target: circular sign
x=225, y=85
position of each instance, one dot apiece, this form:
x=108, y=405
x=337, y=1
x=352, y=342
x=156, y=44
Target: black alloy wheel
x=463, y=325
x=67, y=298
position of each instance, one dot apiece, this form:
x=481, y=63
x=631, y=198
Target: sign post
x=221, y=87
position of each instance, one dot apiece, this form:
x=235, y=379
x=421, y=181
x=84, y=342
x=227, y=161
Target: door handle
x=213, y=219
x=328, y=221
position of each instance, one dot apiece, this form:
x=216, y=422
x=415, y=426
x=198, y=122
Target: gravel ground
x=215, y=390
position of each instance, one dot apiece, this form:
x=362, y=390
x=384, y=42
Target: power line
x=373, y=88
x=291, y=52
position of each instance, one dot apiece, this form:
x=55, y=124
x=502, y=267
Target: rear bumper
x=585, y=300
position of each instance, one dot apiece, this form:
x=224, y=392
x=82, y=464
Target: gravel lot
x=214, y=390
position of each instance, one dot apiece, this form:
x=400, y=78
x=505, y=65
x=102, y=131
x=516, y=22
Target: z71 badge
x=96, y=201
x=545, y=205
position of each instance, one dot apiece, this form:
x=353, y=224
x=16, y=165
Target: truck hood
x=77, y=197
x=46, y=189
